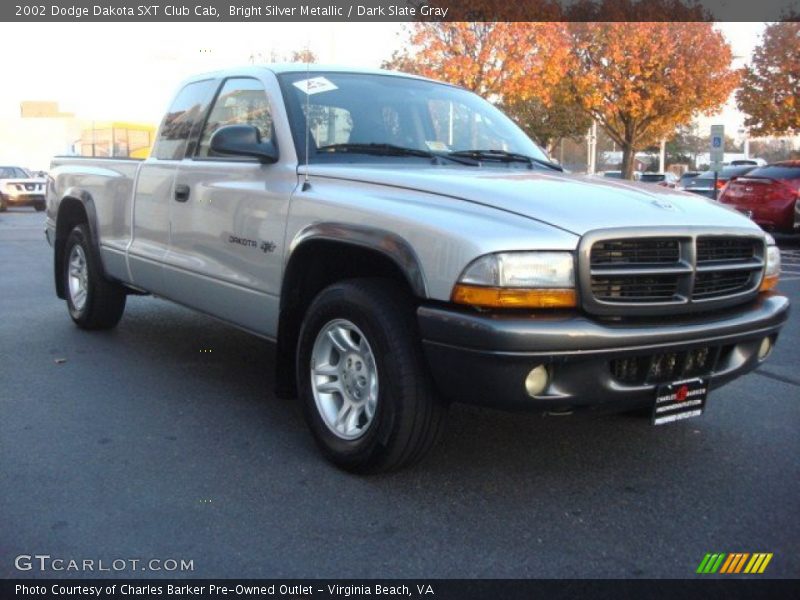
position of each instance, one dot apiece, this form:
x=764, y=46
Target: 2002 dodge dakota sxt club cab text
x=406, y=245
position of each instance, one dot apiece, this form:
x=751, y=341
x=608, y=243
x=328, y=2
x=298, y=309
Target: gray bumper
x=482, y=358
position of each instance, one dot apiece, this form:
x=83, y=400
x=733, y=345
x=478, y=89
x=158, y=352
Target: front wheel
x=92, y=300
x=367, y=396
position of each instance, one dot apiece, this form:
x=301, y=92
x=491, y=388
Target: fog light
x=537, y=380
x=764, y=348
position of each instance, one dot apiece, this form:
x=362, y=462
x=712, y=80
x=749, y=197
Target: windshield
x=347, y=109
x=12, y=173
x=727, y=172
x=778, y=171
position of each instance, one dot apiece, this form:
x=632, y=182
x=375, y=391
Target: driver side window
x=241, y=101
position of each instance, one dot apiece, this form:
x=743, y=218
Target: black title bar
x=732, y=588
x=398, y=10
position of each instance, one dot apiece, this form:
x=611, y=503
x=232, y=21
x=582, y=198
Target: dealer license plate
x=680, y=400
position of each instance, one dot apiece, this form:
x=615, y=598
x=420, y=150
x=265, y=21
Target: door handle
x=182, y=192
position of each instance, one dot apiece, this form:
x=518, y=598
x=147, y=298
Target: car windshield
x=12, y=173
x=369, y=117
x=777, y=171
x=726, y=173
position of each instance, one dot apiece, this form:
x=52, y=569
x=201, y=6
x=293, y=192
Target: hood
x=22, y=182
x=574, y=203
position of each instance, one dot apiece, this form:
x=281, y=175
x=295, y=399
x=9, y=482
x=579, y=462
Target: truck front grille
x=647, y=274
x=647, y=251
x=635, y=288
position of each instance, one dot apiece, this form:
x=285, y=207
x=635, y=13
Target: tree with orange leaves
x=770, y=92
x=642, y=80
x=501, y=61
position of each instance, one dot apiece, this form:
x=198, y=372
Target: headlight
x=772, y=270
x=518, y=280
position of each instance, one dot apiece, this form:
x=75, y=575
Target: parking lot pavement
x=790, y=262
x=162, y=439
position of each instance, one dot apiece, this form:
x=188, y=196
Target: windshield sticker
x=315, y=85
x=436, y=146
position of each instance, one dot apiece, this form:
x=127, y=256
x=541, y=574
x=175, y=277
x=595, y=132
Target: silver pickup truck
x=406, y=245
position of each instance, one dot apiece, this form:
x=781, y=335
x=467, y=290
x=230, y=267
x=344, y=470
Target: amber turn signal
x=495, y=297
x=769, y=282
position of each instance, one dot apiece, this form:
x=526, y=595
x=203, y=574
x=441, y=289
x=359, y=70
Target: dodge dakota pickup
x=406, y=245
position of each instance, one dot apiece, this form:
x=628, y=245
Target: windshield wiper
x=504, y=156
x=392, y=150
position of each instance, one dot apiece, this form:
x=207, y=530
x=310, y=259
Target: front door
x=228, y=219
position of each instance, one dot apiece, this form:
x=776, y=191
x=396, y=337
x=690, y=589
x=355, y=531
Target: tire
x=3, y=204
x=92, y=300
x=407, y=415
x=39, y=206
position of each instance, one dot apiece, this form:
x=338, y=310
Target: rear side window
x=776, y=172
x=241, y=101
x=182, y=120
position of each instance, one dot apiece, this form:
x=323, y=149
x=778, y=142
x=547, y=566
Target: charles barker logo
x=731, y=563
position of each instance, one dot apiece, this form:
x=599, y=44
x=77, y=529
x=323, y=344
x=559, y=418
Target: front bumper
x=484, y=358
x=24, y=199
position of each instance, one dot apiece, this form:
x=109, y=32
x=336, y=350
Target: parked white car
x=18, y=188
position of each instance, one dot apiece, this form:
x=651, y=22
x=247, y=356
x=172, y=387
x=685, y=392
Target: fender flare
x=389, y=244
x=87, y=202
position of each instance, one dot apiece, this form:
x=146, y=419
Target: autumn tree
x=549, y=123
x=770, y=90
x=516, y=64
x=641, y=80
x=501, y=61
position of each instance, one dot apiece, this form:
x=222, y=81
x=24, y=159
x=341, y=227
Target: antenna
x=306, y=184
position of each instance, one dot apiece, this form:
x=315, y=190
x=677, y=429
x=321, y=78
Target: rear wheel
x=92, y=300
x=3, y=203
x=367, y=396
x=39, y=206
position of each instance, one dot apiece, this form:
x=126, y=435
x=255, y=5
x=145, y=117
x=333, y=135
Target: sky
x=129, y=71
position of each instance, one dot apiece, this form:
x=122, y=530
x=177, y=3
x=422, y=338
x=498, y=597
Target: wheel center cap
x=355, y=376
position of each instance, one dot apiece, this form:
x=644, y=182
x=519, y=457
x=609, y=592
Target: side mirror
x=242, y=140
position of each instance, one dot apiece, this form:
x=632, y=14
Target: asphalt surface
x=162, y=440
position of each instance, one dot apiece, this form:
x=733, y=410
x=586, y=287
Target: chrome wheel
x=344, y=379
x=78, y=277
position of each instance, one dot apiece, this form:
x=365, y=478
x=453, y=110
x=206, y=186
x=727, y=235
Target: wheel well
x=70, y=213
x=314, y=266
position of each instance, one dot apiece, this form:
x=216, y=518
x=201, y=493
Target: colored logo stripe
x=711, y=563
x=734, y=562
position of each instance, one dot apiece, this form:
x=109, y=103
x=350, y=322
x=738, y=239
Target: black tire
x=409, y=415
x=39, y=206
x=105, y=300
x=3, y=204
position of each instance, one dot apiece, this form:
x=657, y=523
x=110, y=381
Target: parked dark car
x=703, y=184
x=667, y=179
x=769, y=195
x=685, y=178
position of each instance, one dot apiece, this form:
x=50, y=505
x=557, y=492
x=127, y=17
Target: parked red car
x=768, y=195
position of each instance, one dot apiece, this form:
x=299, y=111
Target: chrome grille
x=719, y=249
x=635, y=288
x=645, y=251
x=720, y=283
x=626, y=274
